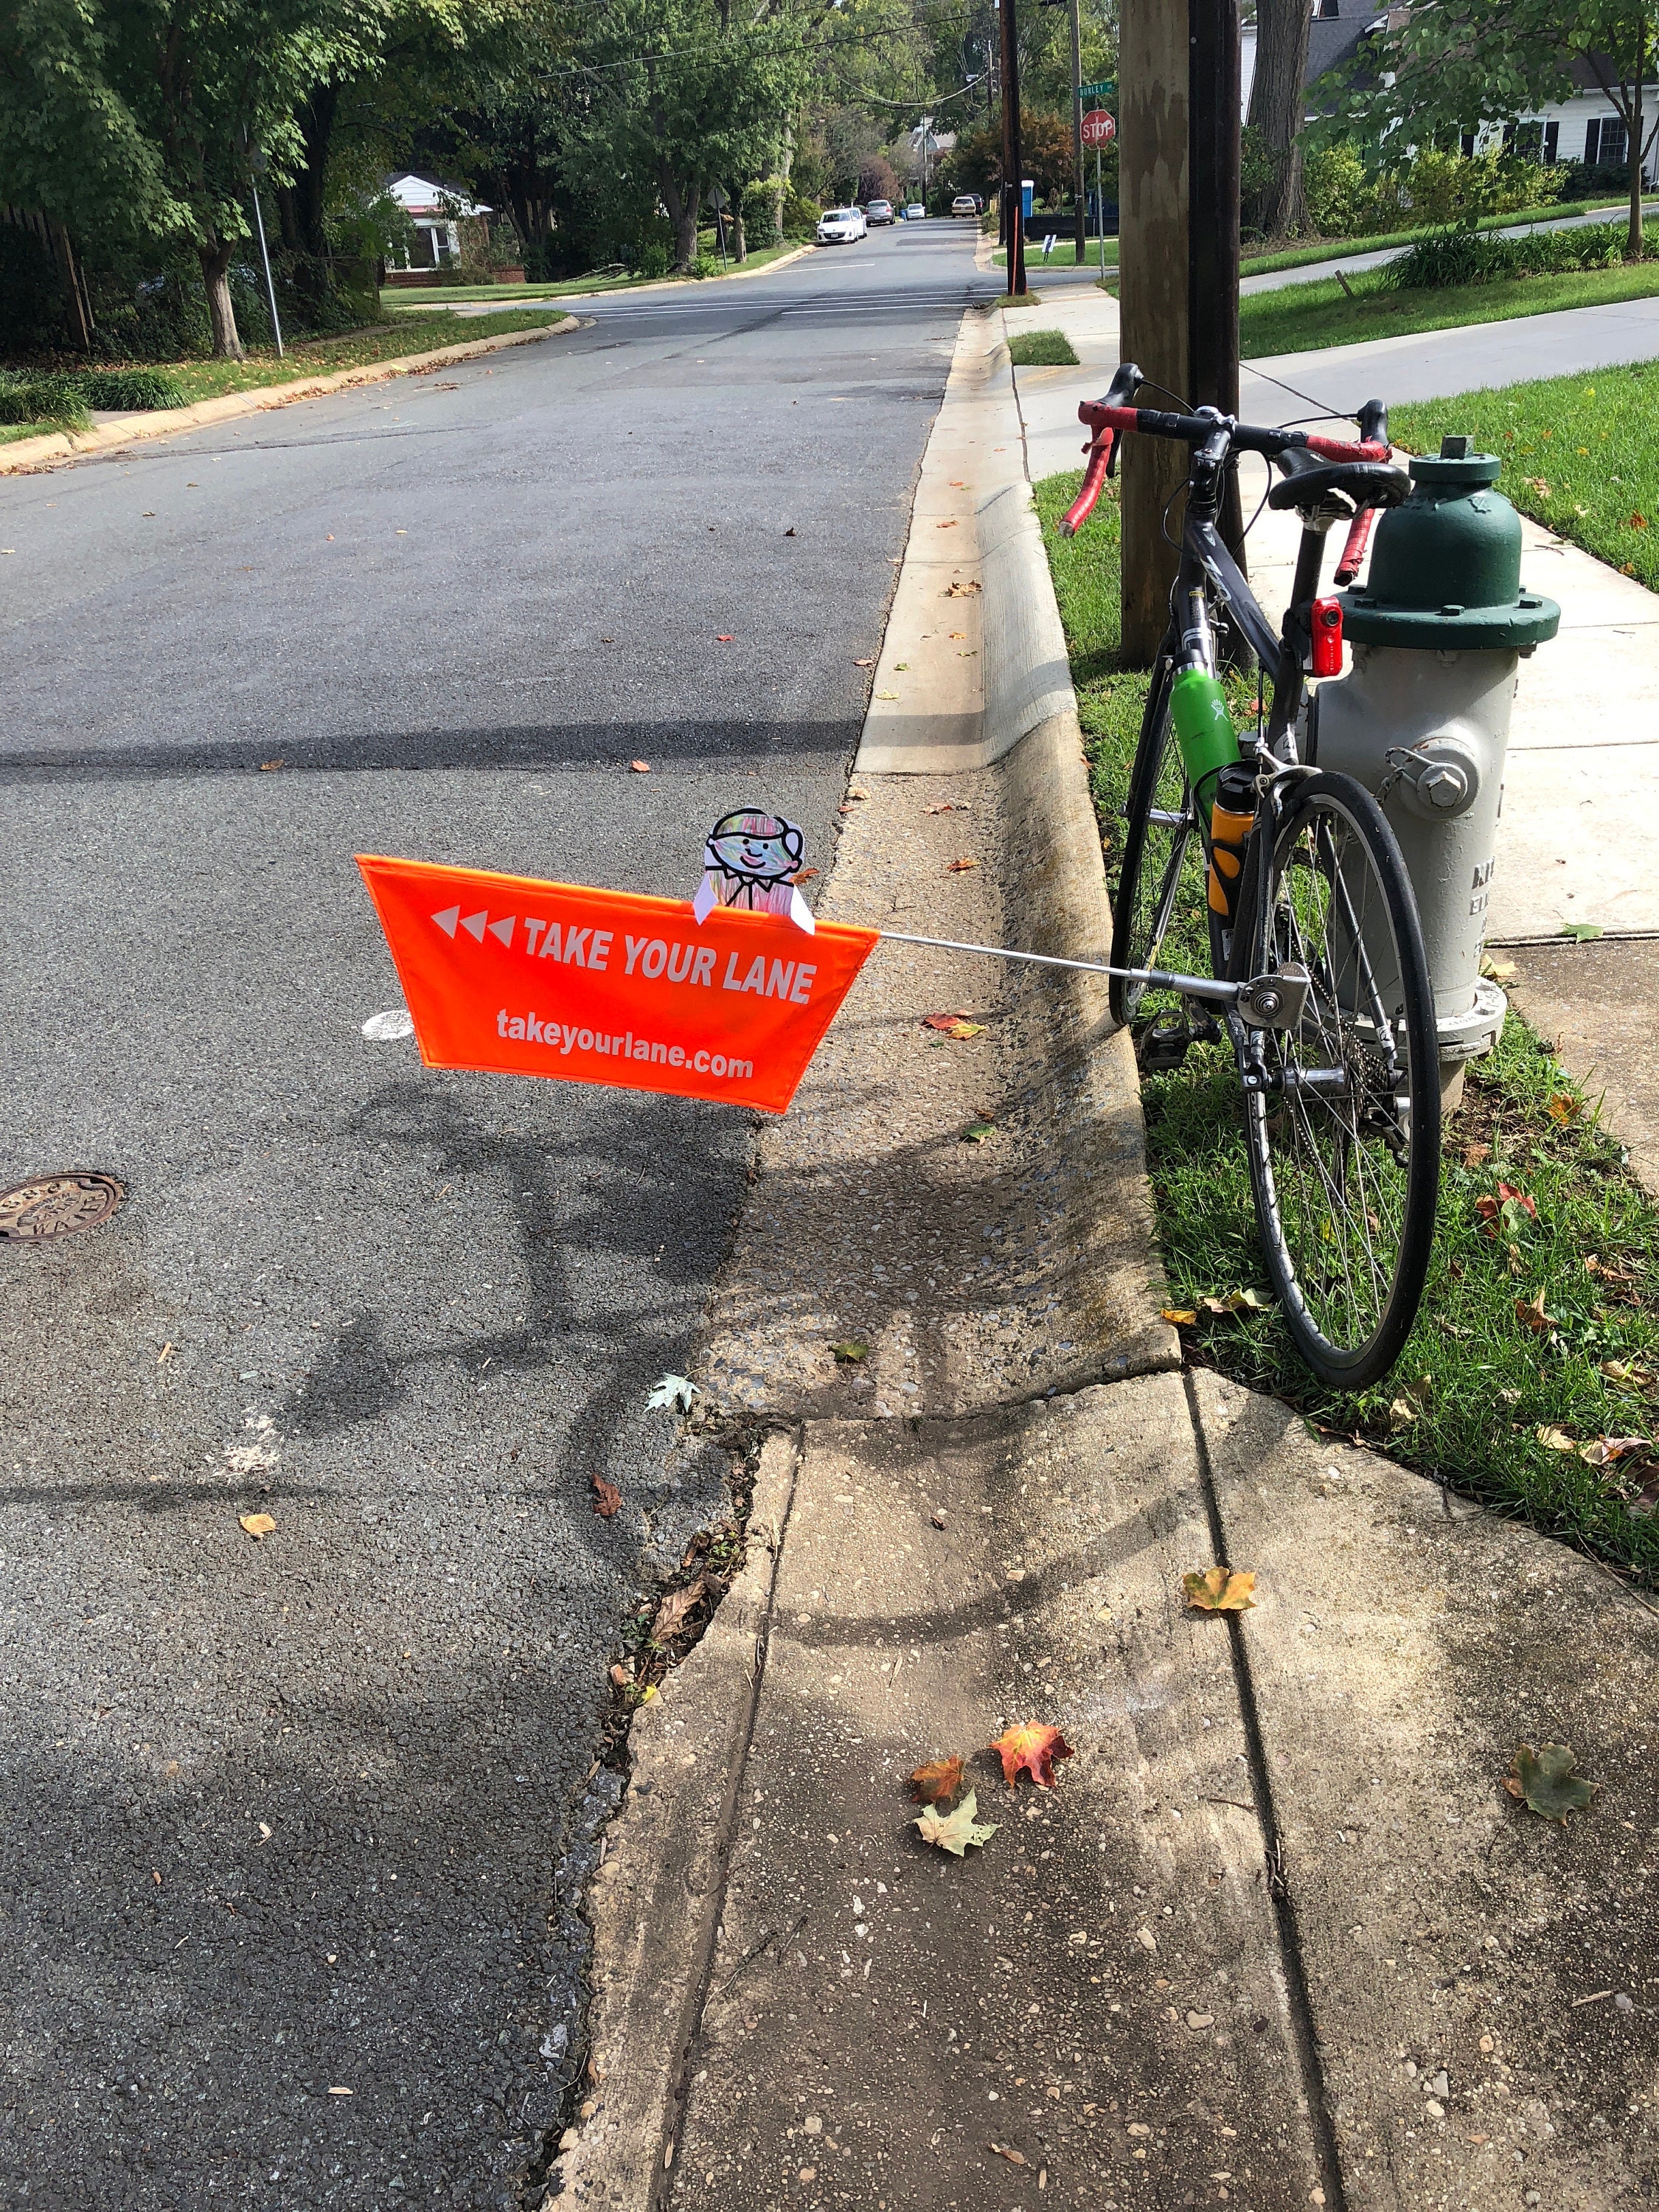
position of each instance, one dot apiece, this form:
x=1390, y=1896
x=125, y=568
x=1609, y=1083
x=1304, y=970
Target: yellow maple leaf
x=1220, y=1589
x=258, y=1525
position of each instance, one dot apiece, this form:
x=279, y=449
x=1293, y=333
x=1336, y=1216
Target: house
x=1583, y=127
x=437, y=211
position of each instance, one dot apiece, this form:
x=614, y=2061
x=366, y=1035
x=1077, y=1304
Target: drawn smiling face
x=756, y=848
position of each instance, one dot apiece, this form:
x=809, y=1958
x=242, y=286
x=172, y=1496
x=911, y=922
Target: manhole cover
x=52, y=1206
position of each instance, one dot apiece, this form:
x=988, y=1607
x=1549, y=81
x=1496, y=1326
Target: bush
x=705, y=264
x=1341, y=199
x=45, y=399
x=1458, y=256
x=1602, y=180
x=1439, y=188
x=801, y=214
x=128, y=388
x=653, y=258
x=760, y=212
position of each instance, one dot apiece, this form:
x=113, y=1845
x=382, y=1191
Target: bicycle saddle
x=1308, y=482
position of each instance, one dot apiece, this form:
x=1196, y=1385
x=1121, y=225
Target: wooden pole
x=1012, y=160
x=1080, y=189
x=1215, y=94
x=1154, y=171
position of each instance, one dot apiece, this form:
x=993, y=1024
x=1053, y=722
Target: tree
x=1278, y=110
x=975, y=165
x=1465, y=64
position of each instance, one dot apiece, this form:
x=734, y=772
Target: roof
x=424, y=196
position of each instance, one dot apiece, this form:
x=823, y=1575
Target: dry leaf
x=1178, y=1316
x=1565, y=1108
x=953, y=1025
x=1544, y=1780
x=1013, y=2157
x=1476, y=1156
x=1556, y=1439
x=959, y=867
x=850, y=1352
x=1605, y=1450
x=1220, y=1589
x=945, y=525
x=936, y=1785
x=1633, y=1377
x=640, y=767
x=672, y=1612
x=269, y=767
x=1031, y=1749
x=606, y=1497
x=1236, y=1302
x=620, y=1676
x=966, y=590
x=954, y=1831
x=258, y=1525
x=722, y=638
x=949, y=806
x=1531, y=1311
x=870, y=663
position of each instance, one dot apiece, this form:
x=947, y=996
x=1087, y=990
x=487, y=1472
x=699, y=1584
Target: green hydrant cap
x=1445, y=573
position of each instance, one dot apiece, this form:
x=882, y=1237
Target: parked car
x=965, y=203
x=878, y=211
x=915, y=213
x=842, y=226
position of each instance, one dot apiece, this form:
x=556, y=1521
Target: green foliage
x=760, y=213
x=1302, y=318
x=975, y=163
x=1579, y=456
x=129, y=388
x=1041, y=349
x=801, y=214
x=1438, y=187
x=1341, y=199
x=54, y=401
x=33, y=314
x=1461, y=257
x=1255, y=165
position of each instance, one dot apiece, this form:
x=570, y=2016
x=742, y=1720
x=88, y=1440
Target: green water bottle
x=1204, y=731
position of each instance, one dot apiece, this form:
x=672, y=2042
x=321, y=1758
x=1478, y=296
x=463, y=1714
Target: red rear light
x=1326, y=637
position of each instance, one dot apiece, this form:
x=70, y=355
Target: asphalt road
x=291, y=1830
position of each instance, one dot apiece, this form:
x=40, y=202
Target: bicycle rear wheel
x=1344, y=1143
x=1162, y=873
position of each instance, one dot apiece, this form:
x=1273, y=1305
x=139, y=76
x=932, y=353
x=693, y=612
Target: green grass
x=1580, y=455
x=1041, y=349
x=1475, y=1385
x=1304, y=317
x=1064, y=255
x=1334, y=249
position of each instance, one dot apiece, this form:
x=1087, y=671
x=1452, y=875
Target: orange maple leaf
x=1034, y=1747
x=936, y=1783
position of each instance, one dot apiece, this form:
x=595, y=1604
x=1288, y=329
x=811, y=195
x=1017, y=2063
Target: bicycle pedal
x=1163, y=1047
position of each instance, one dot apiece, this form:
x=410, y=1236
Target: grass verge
x=1063, y=257
x=1334, y=249
x=1041, y=349
x=1579, y=452
x=1481, y=1399
x=1303, y=317
x=395, y=295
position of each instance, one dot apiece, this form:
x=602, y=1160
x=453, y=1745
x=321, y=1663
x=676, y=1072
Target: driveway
x=293, y=1828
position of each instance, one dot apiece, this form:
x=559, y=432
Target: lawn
x=1041, y=349
x=1481, y=1399
x=1304, y=317
x=448, y=294
x=1065, y=254
x=1580, y=455
x=1334, y=249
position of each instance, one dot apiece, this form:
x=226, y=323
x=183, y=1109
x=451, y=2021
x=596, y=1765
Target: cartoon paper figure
x=750, y=860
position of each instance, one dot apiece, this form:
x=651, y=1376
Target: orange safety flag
x=526, y=978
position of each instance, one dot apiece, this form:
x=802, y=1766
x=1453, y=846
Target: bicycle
x=1318, y=972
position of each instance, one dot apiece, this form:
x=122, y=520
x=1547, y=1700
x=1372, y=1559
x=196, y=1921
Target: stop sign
x=1098, y=128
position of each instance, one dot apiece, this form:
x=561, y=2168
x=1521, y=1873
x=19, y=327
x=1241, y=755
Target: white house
x=437, y=212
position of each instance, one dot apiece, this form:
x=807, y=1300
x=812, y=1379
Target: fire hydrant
x=1423, y=718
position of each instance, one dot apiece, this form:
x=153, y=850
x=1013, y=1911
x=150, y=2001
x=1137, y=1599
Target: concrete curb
x=654, y=1902
x=29, y=455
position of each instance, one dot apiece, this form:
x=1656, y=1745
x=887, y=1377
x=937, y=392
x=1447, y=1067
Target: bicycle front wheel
x=1162, y=878
x=1344, y=1138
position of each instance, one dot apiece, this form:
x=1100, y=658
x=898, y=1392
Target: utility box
x=1422, y=720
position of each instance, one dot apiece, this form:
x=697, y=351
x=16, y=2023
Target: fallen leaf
x=620, y=1675
x=856, y=793
x=1544, y=1780
x=1220, y=1589
x=676, y=1607
x=865, y=664
x=850, y=1352
x=1565, y=1108
x=1531, y=1311
x=967, y=590
x=674, y=1391
x=959, y=867
x=953, y=1025
x=1013, y=2157
x=1476, y=1156
x=1582, y=932
x=936, y=1783
x=977, y=1132
x=1031, y=1749
x=945, y=525
x=949, y=806
x=269, y=767
x=1638, y=522
x=1623, y=1371
x=1402, y=1413
x=1178, y=1316
x=640, y=767
x=722, y=638
x=880, y=695
x=258, y=1525
x=803, y=875
x=606, y=1497
x=1500, y=971
x=164, y=1355
x=954, y=1831
x=1605, y=1450
x=1556, y=1439
x=1238, y=1302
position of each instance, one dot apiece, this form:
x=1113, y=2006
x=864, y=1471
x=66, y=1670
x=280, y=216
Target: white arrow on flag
x=447, y=920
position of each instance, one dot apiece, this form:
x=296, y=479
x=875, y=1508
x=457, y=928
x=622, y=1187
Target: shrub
x=1458, y=256
x=1602, y=180
x=1341, y=199
x=801, y=214
x=705, y=264
x=653, y=259
x=760, y=212
x=128, y=388
x=42, y=398
x=1440, y=188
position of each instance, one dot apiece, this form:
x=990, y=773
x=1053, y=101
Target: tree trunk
x=682, y=205
x=1278, y=105
x=786, y=164
x=316, y=122
x=1633, y=141
x=739, y=243
x=215, y=265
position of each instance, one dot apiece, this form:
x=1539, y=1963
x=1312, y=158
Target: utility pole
x=1178, y=121
x=1013, y=196
x=1079, y=191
